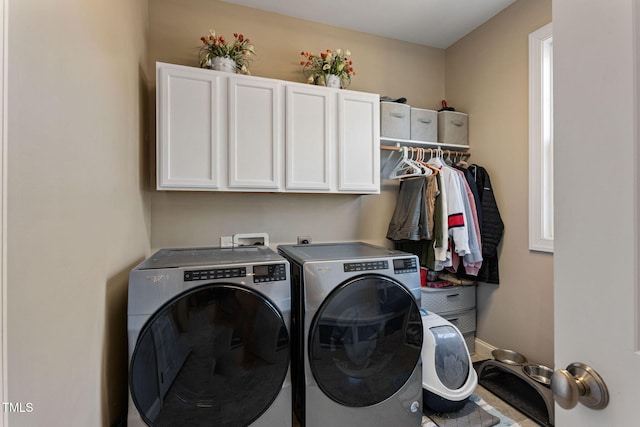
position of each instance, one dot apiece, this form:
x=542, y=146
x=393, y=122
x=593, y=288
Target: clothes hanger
x=423, y=152
x=405, y=168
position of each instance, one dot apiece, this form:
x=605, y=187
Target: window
x=541, y=140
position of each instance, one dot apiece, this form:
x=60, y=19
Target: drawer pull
x=425, y=121
x=453, y=295
x=398, y=115
x=457, y=123
x=454, y=320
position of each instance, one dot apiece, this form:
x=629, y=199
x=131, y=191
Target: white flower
x=326, y=67
x=347, y=52
x=339, y=51
x=310, y=79
x=212, y=33
x=340, y=66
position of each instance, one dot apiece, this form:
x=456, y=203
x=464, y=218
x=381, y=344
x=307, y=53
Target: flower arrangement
x=328, y=63
x=239, y=50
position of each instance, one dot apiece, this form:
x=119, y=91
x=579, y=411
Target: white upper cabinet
x=358, y=142
x=256, y=140
x=310, y=138
x=190, y=135
x=227, y=132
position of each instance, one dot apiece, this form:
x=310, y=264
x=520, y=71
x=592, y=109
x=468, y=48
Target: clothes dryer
x=356, y=335
x=209, y=338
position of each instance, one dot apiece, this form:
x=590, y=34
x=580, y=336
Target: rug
x=476, y=413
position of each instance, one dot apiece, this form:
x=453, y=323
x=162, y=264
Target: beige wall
x=487, y=76
x=384, y=66
x=78, y=216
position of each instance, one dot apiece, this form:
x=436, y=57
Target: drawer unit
x=395, y=120
x=444, y=300
x=465, y=321
x=453, y=128
x=457, y=304
x=424, y=125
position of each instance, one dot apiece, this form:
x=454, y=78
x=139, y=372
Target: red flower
x=241, y=37
x=308, y=64
x=221, y=39
x=204, y=41
x=235, y=35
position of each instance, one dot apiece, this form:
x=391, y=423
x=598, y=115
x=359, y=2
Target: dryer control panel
x=215, y=273
x=405, y=265
x=350, y=267
x=269, y=273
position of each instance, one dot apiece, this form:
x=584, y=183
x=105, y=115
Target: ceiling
x=436, y=23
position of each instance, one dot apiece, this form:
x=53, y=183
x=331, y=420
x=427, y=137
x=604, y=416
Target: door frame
x=4, y=17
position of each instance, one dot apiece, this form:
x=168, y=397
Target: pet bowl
x=539, y=373
x=509, y=357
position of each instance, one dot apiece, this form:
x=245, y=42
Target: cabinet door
x=310, y=138
x=358, y=142
x=256, y=140
x=190, y=115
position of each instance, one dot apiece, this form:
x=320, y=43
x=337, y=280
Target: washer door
x=365, y=341
x=216, y=355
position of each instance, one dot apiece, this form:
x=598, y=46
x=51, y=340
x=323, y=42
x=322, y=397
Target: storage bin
x=444, y=300
x=424, y=125
x=470, y=340
x=465, y=321
x=395, y=120
x=453, y=128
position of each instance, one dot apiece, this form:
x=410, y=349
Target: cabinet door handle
x=453, y=295
x=454, y=320
x=398, y=115
x=457, y=123
x=425, y=121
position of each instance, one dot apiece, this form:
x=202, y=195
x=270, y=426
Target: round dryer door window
x=365, y=341
x=213, y=356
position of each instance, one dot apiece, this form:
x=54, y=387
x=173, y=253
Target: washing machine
x=356, y=335
x=209, y=338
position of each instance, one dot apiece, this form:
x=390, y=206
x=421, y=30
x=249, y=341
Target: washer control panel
x=269, y=273
x=405, y=265
x=215, y=273
x=350, y=267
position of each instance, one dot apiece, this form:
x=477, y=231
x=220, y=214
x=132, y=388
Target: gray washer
x=208, y=332
x=356, y=336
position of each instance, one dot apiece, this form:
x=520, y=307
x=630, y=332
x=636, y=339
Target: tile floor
x=499, y=404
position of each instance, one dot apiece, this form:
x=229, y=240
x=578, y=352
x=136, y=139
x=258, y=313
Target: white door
x=597, y=295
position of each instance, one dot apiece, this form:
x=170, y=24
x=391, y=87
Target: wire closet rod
x=444, y=152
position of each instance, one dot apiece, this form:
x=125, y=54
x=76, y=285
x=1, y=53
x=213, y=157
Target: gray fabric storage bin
x=395, y=120
x=453, y=128
x=424, y=125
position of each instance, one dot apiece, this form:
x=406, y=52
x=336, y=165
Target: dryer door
x=216, y=355
x=365, y=340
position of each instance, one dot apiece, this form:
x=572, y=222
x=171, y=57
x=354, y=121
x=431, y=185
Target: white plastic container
x=449, y=299
x=395, y=120
x=445, y=388
x=453, y=128
x=424, y=125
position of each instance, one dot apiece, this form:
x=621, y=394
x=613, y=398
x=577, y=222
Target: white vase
x=331, y=80
x=222, y=63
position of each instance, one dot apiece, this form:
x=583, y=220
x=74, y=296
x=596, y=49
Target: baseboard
x=484, y=348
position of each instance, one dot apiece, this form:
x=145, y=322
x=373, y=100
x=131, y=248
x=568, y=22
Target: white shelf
x=413, y=143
